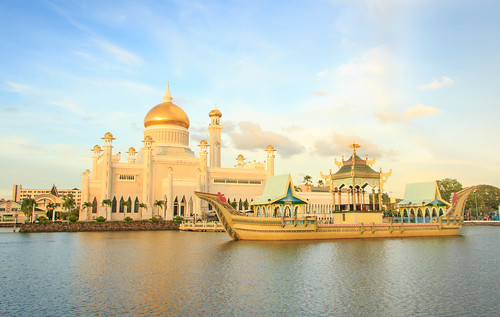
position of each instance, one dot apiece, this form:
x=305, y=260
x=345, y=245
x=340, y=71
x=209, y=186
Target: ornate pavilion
x=354, y=177
x=422, y=200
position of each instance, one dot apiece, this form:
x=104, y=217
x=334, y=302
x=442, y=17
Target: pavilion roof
x=426, y=193
x=361, y=168
x=279, y=190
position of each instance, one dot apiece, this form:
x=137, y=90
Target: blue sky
x=413, y=82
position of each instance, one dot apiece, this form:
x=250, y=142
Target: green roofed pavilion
x=279, y=198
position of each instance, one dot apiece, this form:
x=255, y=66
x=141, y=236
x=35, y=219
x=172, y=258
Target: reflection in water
x=184, y=273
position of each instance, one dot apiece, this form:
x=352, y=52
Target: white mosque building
x=166, y=170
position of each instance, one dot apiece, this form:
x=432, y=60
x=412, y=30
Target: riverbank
x=481, y=223
x=94, y=226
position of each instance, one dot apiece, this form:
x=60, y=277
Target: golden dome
x=97, y=148
x=240, y=157
x=215, y=112
x=148, y=138
x=108, y=135
x=203, y=142
x=167, y=113
x=270, y=147
x=131, y=149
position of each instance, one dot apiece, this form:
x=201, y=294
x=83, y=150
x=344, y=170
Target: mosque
x=160, y=179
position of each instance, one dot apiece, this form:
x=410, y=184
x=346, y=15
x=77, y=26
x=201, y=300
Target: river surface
x=206, y=274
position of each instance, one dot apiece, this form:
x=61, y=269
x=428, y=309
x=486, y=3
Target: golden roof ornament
x=167, y=97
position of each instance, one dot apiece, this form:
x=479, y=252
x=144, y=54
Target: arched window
x=183, y=206
x=129, y=204
x=287, y=212
x=113, y=204
x=296, y=210
x=176, y=207
x=136, y=205
x=121, y=205
x=190, y=206
x=276, y=212
x=94, y=206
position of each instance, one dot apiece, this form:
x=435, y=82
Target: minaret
x=85, y=196
x=107, y=172
x=270, y=161
x=131, y=155
x=95, y=157
x=146, y=184
x=214, y=130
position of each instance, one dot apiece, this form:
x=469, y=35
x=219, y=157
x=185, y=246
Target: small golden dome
x=108, y=135
x=131, y=149
x=240, y=157
x=97, y=148
x=148, y=138
x=166, y=113
x=203, y=142
x=270, y=147
x=215, y=112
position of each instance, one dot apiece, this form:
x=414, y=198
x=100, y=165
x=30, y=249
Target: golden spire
x=167, y=97
x=354, y=146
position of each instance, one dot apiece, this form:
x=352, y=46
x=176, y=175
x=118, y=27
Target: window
x=237, y=181
x=343, y=217
x=127, y=178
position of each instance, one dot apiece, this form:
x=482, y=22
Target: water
x=192, y=274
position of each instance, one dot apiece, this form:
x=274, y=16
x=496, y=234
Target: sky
x=415, y=83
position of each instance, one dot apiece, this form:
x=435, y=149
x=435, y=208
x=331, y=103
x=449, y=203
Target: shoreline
x=481, y=223
x=97, y=227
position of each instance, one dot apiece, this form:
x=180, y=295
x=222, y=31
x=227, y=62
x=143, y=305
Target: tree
x=297, y=188
x=321, y=183
x=86, y=205
x=447, y=186
x=307, y=180
x=27, y=206
x=142, y=206
x=107, y=203
x=50, y=211
x=159, y=204
x=125, y=203
x=68, y=203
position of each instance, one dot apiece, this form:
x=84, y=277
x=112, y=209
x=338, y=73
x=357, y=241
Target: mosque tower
x=215, y=130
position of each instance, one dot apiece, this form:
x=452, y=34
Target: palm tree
x=142, y=206
x=69, y=203
x=159, y=204
x=321, y=183
x=125, y=203
x=50, y=207
x=28, y=206
x=86, y=205
x=307, y=180
x=106, y=203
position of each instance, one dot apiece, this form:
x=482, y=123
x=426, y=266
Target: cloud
x=436, y=84
x=16, y=87
x=251, y=137
x=120, y=54
x=67, y=105
x=319, y=93
x=410, y=114
x=337, y=144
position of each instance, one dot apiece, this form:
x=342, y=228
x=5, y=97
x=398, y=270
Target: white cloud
x=338, y=143
x=417, y=111
x=436, y=84
x=251, y=136
x=120, y=54
x=67, y=105
x=16, y=87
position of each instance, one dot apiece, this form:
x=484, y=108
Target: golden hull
x=241, y=227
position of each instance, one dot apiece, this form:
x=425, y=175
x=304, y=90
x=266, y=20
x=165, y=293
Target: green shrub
x=178, y=219
x=73, y=218
x=154, y=220
x=42, y=220
x=127, y=219
x=100, y=219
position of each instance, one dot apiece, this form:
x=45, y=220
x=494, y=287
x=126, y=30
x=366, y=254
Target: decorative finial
x=354, y=146
x=167, y=97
